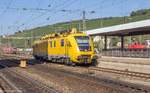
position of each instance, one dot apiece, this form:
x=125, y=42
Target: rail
x=40, y=85
x=6, y=86
x=123, y=72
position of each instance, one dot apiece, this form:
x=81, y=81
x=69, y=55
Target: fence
x=117, y=52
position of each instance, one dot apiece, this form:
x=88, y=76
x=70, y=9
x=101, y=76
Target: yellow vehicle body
x=65, y=48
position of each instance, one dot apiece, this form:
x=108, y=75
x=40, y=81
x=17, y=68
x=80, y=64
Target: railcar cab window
x=62, y=42
x=83, y=43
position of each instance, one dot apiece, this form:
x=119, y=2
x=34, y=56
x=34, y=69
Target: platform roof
x=134, y=28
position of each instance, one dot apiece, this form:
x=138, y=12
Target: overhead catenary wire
x=49, y=10
x=70, y=3
x=100, y=8
x=62, y=5
x=5, y=10
x=42, y=14
x=40, y=9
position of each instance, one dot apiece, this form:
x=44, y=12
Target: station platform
x=125, y=63
x=127, y=60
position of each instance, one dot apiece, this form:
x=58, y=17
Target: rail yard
x=45, y=77
x=74, y=46
x=66, y=62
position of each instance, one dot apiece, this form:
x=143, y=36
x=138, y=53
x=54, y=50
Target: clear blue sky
x=12, y=20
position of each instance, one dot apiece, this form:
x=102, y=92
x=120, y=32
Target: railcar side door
x=66, y=48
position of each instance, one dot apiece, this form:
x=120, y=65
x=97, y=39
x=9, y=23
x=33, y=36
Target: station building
x=122, y=32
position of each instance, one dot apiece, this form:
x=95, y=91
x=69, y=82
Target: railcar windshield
x=83, y=43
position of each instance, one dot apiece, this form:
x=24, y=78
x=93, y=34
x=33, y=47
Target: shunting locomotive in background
x=67, y=47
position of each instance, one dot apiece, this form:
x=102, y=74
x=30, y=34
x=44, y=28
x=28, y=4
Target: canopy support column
x=105, y=42
x=122, y=42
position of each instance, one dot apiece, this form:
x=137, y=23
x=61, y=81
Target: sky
x=26, y=14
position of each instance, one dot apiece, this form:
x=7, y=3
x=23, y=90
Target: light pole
x=84, y=12
x=84, y=20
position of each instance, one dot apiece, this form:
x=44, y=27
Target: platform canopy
x=128, y=29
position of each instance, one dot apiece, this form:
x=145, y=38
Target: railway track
x=116, y=84
x=140, y=75
x=143, y=76
x=5, y=85
x=75, y=80
x=25, y=83
x=108, y=83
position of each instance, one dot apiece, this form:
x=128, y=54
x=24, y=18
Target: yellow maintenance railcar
x=71, y=48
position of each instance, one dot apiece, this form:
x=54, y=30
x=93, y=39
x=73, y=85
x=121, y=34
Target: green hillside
x=90, y=24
